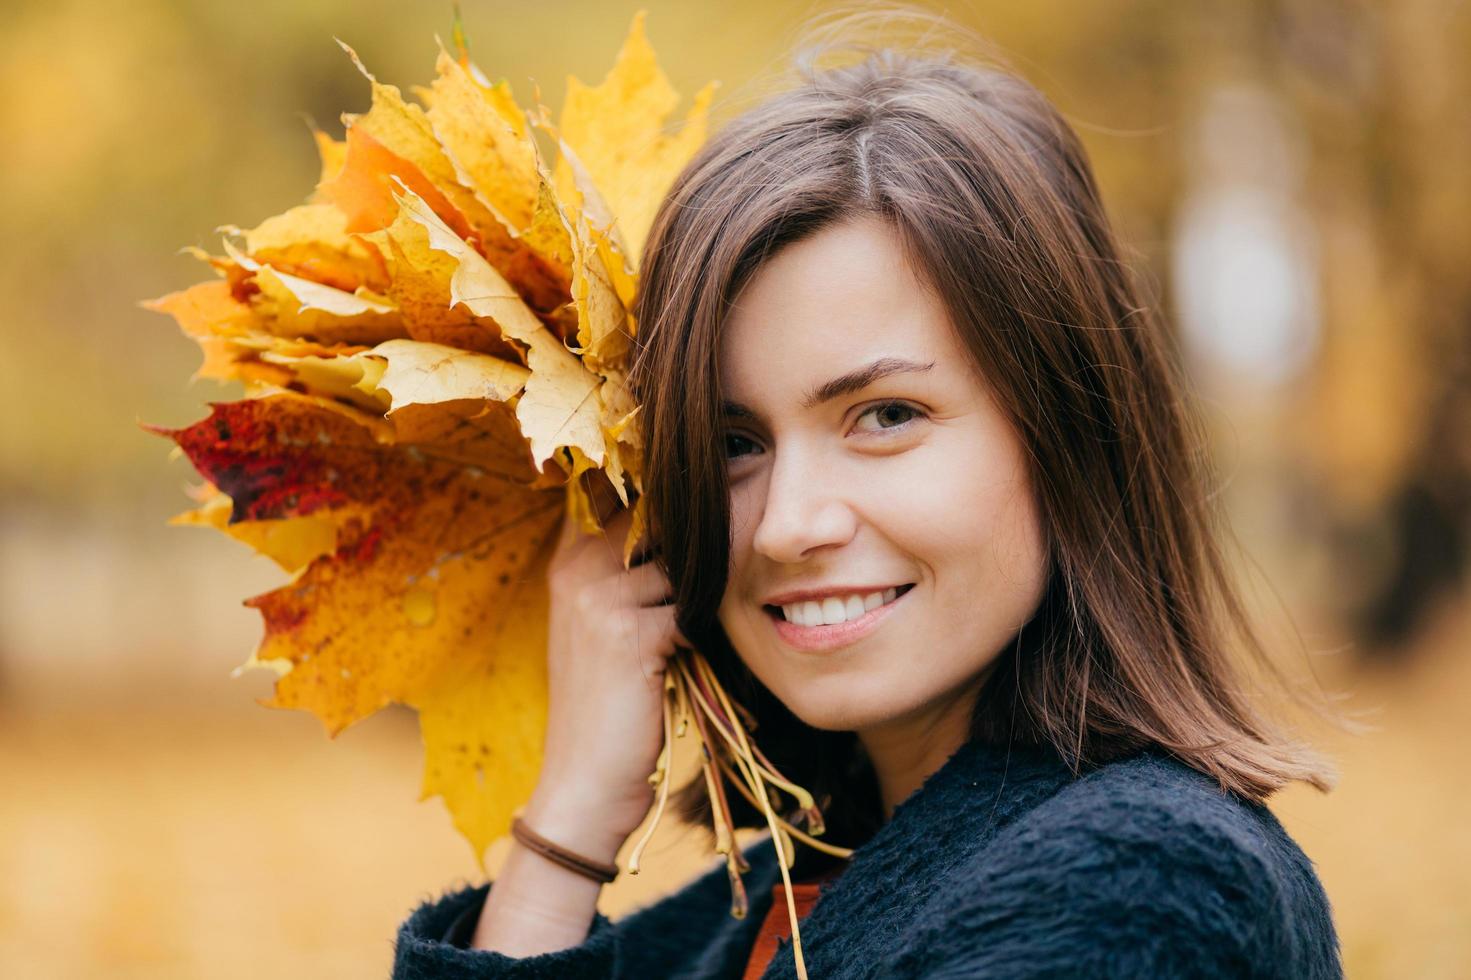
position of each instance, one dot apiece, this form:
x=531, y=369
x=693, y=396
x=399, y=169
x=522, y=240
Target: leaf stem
x=804, y=798
x=810, y=841
x=693, y=691
x=660, y=778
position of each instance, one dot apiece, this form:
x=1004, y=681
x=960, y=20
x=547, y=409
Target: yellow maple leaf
x=290, y=542
x=420, y=287
x=615, y=132
x=485, y=135
x=311, y=241
x=427, y=374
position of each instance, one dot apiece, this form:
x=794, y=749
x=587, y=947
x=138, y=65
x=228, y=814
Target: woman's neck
x=904, y=752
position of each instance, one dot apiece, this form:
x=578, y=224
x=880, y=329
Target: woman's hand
x=611, y=634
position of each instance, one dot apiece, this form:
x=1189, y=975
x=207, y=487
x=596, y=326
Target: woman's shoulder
x=1154, y=796
x=1143, y=865
x=1151, y=810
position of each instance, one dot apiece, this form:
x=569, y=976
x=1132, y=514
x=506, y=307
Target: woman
x=926, y=490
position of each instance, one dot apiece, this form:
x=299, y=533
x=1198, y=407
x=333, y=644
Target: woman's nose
x=804, y=509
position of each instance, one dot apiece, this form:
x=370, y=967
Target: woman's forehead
x=831, y=304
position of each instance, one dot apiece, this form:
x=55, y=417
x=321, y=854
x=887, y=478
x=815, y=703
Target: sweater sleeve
x=689, y=933
x=1120, y=888
x=434, y=943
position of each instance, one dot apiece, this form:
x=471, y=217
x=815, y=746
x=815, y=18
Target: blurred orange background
x=1292, y=174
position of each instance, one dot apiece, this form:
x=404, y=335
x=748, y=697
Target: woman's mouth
x=806, y=626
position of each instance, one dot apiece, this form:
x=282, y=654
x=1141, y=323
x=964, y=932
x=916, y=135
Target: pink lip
x=831, y=637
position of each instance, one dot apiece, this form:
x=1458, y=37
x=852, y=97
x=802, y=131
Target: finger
x=616, y=525
x=572, y=537
x=659, y=636
x=645, y=585
x=616, y=537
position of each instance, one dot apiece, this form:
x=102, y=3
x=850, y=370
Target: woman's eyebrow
x=845, y=384
x=861, y=378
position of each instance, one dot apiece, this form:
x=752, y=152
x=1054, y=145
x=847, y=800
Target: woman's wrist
x=539, y=905
x=576, y=820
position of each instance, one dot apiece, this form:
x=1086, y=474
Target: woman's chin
x=833, y=711
x=821, y=696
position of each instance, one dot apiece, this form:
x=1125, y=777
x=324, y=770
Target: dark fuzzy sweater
x=1002, y=865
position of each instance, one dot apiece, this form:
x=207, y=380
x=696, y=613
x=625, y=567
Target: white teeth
x=836, y=609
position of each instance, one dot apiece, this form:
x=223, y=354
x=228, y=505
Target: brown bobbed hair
x=994, y=202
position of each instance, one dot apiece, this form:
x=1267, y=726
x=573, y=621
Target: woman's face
x=842, y=486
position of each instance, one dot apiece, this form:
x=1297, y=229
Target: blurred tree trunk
x=1383, y=87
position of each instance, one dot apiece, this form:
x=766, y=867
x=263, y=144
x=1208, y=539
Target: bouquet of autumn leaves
x=434, y=351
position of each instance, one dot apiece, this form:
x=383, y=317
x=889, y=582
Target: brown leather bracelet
x=588, y=868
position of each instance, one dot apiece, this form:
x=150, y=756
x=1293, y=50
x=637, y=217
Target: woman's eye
x=891, y=415
x=733, y=443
